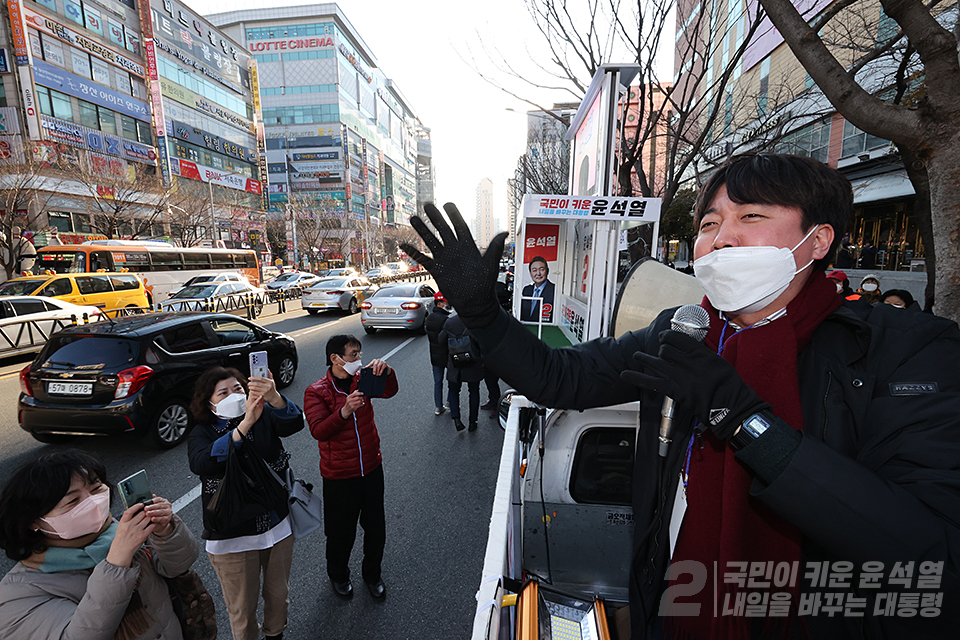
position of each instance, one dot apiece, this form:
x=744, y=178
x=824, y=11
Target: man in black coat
x=457, y=375
x=438, y=348
x=823, y=435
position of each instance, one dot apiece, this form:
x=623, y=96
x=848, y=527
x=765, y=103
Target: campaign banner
x=594, y=208
x=70, y=36
x=208, y=174
x=50, y=76
x=541, y=240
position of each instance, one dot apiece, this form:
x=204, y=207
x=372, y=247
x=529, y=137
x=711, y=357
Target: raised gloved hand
x=698, y=379
x=465, y=277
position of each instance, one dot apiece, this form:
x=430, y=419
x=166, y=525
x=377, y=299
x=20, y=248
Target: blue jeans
x=473, y=388
x=438, y=385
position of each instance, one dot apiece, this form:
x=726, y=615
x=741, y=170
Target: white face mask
x=233, y=406
x=869, y=287
x=741, y=280
x=839, y=287
x=352, y=367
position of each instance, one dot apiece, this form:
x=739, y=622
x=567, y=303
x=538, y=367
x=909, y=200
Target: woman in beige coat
x=81, y=574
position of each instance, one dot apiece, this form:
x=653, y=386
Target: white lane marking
x=194, y=493
x=297, y=334
x=186, y=498
x=408, y=341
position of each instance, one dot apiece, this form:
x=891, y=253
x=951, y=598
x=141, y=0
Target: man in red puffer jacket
x=341, y=419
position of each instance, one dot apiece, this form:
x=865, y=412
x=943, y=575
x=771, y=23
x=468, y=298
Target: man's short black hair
x=822, y=194
x=338, y=345
x=34, y=490
x=538, y=259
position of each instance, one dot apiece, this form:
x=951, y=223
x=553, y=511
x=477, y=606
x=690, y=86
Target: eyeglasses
x=353, y=356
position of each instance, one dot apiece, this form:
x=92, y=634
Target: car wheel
x=172, y=424
x=312, y=312
x=258, y=310
x=285, y=371
x=354, y=307
x=370, y=330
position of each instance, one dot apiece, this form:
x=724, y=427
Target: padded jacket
x=433, y=326
x=348, y=448
x=88, y=604
x=876, y=477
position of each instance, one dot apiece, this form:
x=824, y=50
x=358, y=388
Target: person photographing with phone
x=340, y=415
x=80, y=573
x=234, y=412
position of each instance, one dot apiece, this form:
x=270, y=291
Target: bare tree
x=899, y=82
x=124, y=198
x=393, y=237
x=276, y=230
x=318, y=225
x=27, y=184
x=545, y=167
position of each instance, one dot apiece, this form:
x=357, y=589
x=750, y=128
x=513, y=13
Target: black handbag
x=249, y=489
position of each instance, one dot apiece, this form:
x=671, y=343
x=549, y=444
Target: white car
x=292, y=280
x=27, y=321
x=209, y=278
x=343, y=294
x=226, y=296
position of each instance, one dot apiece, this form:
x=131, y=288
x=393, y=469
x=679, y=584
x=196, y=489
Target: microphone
x=694, y=321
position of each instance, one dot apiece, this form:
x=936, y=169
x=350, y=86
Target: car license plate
x=70, y=388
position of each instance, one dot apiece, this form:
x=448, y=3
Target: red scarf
x=723, y=523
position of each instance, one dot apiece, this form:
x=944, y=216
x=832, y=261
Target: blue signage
x=55, y=78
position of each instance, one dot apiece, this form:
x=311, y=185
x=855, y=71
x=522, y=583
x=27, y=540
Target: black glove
x=698, y=379
x=465, y=278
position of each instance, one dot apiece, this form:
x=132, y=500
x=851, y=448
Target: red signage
x=541, y=240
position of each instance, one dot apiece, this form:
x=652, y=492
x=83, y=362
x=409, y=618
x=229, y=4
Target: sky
x=477, y=130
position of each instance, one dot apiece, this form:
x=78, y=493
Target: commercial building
x=342, y=141
x=128, y=98
x=772, y=104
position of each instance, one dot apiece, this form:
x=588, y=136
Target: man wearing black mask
x=822, y=433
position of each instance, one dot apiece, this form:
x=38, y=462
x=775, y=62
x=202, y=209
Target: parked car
x=344, y=294
x=102, y=290
x=397, y=267
x=193, y=297
x=292, y=280
x=347, y=272
x=379, y=273
x=210, y=278
x=26, y=322
x=137, y=374
x=397, y=306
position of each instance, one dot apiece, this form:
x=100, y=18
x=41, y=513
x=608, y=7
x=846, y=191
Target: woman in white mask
x=80, y=573
x=232, y=412
x=870, y=289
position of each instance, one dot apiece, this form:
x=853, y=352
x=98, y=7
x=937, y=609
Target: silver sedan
x=344, y=294
x=397, y=306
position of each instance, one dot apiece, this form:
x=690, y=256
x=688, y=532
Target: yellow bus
x=162, y=266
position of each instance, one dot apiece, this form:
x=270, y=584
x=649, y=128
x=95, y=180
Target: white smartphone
x=258, y=365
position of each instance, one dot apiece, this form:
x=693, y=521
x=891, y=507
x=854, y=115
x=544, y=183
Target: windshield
x=196, y=291
x=62, y=261
x=330, y=284
x=397, y=292
x=90, y=353
x=198, y=279
x=19, y=287
x=286, y=277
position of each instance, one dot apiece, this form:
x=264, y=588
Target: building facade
x=484, y=226
x=342, y=143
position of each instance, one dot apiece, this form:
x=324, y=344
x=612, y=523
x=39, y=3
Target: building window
x=55, y=104
x=856, y=141
x=59, y=221
x=144, y=134
x=812, y=141
x=88, y=115
x=129, y=126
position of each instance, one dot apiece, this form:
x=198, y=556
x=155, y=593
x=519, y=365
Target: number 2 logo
x=667, y=605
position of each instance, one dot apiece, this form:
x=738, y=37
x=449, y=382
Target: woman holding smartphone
x=232, y=412
x=80, y=573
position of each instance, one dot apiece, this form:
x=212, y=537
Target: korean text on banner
x=595, y=208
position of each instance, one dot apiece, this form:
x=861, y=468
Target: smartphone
x=258, y=365
x=135, y=489
x=371, y=385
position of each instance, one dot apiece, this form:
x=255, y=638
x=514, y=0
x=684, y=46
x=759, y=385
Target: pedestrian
x=438, y=348
x=232, y=411
x=899, y=298
x=341, y=419
x=810, y=431
x=80, y=573
x=868, y=255
x=869, y=290
x=492, y=382
x=459, y=373
x=843, y=285
x=845, y=257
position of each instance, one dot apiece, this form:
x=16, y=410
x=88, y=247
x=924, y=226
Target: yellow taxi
x=104, y=290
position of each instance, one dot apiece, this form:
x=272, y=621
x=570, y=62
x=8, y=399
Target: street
x=439, y=490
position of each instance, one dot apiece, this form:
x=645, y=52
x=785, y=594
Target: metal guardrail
x=28, y=335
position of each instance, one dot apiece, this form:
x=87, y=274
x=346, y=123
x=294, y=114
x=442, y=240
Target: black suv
x=138, y=373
